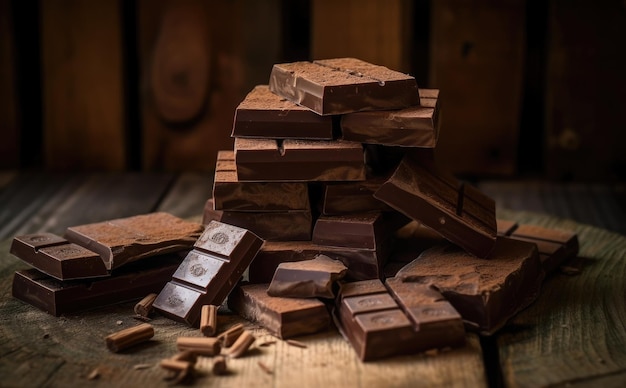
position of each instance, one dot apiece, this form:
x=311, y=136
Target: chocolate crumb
x=95, y=374
x=296, y=343
x=265, y=368
x=267, y=343
x=142, y=366
x=119, y=323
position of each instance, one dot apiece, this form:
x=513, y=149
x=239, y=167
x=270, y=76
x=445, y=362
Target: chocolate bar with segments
x=299, y=160
x=57, y=257
x=343, y=85
x=458, y=211
x=394, y=319
x=415, y=126
x=313, y=278
x=486, y=293
x=263, y=114
x=282, y=317
x=208, y=273
x=134, y=281
x=231, y=194
x=555, y=245
x=272, y=226
x=352, y=197
x=123, y=240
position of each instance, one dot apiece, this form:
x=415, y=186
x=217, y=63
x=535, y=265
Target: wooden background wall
x=529, y=87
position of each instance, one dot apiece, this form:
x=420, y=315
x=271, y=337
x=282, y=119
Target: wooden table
x=575, y=333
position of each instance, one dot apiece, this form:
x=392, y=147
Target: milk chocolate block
x=131, y=282
x=372, y=230
x=263, y=114
x=415, y=126
x=209, y=272
x=308, y=278
x=282, y=317
x=282, y=226
x=298, y=160
x=362, y=263
x=352, y=197
x=343, y=85
x=486, y=293
x=231, y=194
x=458, y=211
x=123, y=240
x=57, y=257
x=411, y=318
x=555, y=246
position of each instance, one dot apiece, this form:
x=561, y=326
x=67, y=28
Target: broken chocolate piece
x=352, y=197
x=343, y=85
x=298, y=160
x=282, y=317
x=307, y=279
x=485, y=292
x=209, y=272
x=123, y=240
x=458, y=211
x=263, y=114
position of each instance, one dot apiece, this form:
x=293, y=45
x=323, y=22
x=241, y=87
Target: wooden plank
x=575, y=332
x=204, y=56
x=584, y=77
x=187, y=196
x=10, y=145
x=377, y=31
x=82, y=85
x=477, y=58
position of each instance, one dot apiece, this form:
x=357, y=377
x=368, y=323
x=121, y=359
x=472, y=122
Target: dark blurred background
x=529, y=88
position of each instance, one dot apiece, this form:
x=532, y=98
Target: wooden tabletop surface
x=574, y=333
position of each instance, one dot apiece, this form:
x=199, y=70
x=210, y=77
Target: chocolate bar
x=362, y=263
x=282, y=317
x=555, y=246
x=263, y=114
x=57, y=257
x=458, y=211
x=209, y=272
x=298, y=160
x=343, y=85
x=123, y=240
x=307, y=278
x=231, y=194
x=415, y=126
x=273, y=226
x=352, y=197
x=485, y=292
x=131, y=282
x=411, y=318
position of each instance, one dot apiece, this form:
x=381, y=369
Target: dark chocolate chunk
x=458, y=211
x=282, y=226
x=343, y=85
x=263, y=114
x=299, y=160
x=124, y=240
x=209, y=272
x=352, y=197
x=131, y=282
x=485, y=292
x=57, y=257
x=231, y=194
x=308, y=278
x=282, y=317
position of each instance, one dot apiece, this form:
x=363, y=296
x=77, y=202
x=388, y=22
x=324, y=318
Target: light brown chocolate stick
x=129, y=337
x=208, y=320
x=204, y=346
x=144, y=306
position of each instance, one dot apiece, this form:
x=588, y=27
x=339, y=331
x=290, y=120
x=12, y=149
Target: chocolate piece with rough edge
x=343, y=85
x=415, y=126
x=133, y=281
x=272, y=226
x=263, y=114
x=299, y=160
x=231, y=194
x=57, y=257
x=209, y=272
x=282, y=317
x=313, y=278
x=352, y=197
x=555, y=245
x=123, y=240
x=458, y=211
x=487, y=293
x=383, y=321
x=362, y=263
